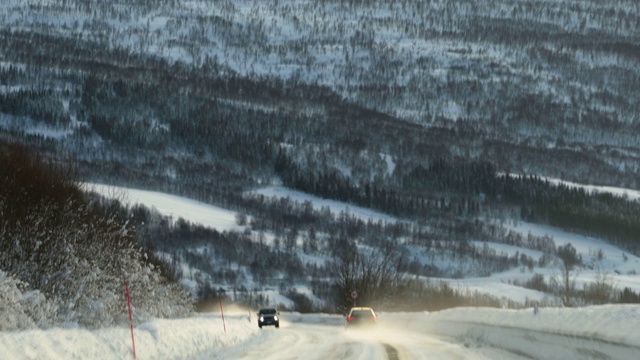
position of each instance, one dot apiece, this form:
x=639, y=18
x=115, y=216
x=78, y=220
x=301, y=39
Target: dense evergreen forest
x=449, y=115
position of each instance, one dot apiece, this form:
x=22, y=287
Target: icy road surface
x=413, y=336
x=309, y=337
x=595, y=332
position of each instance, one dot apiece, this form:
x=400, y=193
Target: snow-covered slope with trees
x=319, y=142
x=603, y=264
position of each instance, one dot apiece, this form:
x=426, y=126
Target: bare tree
x=565, y=283
x=372, y=272
x=601, y=290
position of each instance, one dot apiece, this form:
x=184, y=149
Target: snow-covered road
x=312, y=337
x=596, y=332
x=420, y=336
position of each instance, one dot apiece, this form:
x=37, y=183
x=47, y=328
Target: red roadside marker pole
x=222, y=312
x=133, y=342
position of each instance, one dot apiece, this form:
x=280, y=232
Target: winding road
x=400, y=336
x=308, y=337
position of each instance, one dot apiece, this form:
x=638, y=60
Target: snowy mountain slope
x=530, y=76
x=223, y=88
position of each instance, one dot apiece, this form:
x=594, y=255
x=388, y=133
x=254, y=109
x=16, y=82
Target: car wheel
x=278, y=326
x=260, y=326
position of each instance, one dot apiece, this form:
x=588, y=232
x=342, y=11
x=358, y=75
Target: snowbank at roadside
x=613, y=323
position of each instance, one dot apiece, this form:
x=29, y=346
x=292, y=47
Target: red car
x=361, y=317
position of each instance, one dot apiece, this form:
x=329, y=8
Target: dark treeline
x=575, y=209
x=464, y=188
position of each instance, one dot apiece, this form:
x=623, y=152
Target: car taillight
x=373, y=318
x=350, y=318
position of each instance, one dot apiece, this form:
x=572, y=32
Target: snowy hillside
x=620, y=266
x=406, y=110
x=226, y=332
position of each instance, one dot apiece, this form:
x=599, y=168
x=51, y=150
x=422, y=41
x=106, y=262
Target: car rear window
x=361, y=313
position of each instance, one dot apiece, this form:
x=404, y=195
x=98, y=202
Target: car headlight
x=275, y=318
x=261, y=318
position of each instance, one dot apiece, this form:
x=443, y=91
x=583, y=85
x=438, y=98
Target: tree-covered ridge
x=557, y=77
x=72, y=251
x=232, y=129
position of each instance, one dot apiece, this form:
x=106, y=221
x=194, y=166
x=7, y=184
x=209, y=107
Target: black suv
x=268, y=316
